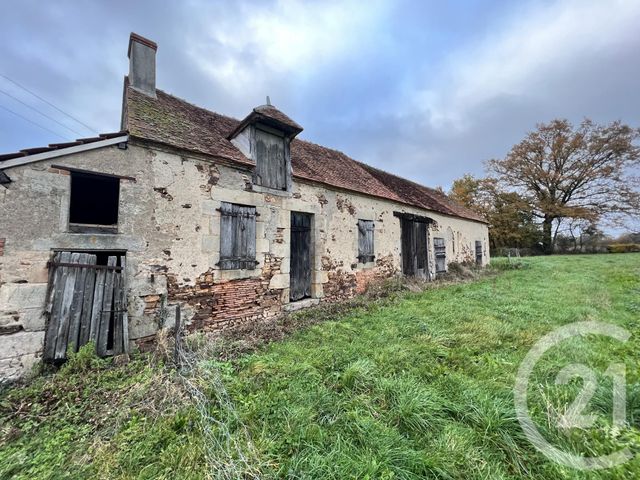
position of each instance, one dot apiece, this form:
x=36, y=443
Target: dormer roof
x=271, y=116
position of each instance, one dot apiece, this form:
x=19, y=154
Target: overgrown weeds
x=411, y=384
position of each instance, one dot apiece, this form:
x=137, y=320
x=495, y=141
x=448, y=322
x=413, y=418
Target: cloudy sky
x=425, y=89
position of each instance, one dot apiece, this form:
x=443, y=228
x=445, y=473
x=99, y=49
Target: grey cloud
x=361, y=102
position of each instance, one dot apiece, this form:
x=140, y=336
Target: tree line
x=559, y=188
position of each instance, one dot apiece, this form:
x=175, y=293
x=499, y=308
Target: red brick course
x=227, y=303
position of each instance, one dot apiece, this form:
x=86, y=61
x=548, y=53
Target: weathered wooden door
x=86, y=302
x=414, y=248
x=300, y=270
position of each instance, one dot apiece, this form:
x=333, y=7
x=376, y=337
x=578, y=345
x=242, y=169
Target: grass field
x=417, y=386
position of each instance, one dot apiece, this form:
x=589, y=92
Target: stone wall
x=169, y=226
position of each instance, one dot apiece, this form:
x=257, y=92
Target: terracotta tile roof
x=172, y=121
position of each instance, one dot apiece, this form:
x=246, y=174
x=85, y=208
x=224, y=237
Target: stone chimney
x=142, y=64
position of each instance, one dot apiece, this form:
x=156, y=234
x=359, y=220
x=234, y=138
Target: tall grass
x=418, y=387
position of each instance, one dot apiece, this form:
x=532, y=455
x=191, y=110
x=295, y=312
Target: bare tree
x=584, y=172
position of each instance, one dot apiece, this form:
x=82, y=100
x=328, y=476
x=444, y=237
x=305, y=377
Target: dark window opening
x=440, y=254
x=365, y=241
x=94, y=200
x=237, y=237
x=271, y=164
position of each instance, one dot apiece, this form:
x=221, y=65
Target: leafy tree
x=583, y=172
x=510, y=217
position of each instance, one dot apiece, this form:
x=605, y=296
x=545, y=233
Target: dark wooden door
x=414, y=248
x=300, y=273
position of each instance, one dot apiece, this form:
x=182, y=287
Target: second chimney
x=142, y=64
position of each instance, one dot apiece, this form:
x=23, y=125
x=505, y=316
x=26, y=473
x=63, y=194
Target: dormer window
x=271, y=164
x=265, y=136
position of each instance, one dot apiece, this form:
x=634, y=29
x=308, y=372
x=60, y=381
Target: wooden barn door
x=414, y=248
x=86, y=302
x=300, y=273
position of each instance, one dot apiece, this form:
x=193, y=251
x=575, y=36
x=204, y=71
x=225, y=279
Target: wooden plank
x=240, y=239
x=250, y=236
x=69, y=280
x=177, y=332
x=107, y=307
x=407, y=249
x=51, y=281
x=75, y=311
x=96, y=307
x=55, y=300
x=84, y=265
x=226, y=236
x=125, y=313
x=117, y=314
x=87, y=302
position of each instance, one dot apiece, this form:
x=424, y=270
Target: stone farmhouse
x=186, y=210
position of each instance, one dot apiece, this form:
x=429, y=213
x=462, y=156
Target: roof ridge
x=175, y=121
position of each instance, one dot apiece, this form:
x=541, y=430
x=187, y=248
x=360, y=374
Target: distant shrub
x=503, y=264
x=623, y=248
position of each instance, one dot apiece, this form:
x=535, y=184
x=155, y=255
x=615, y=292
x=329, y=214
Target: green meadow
x=418, y=384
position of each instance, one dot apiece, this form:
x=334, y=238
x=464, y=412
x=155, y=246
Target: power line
x=41, y=113
x=35, y=123
x=50, y=104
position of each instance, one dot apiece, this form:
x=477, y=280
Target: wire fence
x=229, y=450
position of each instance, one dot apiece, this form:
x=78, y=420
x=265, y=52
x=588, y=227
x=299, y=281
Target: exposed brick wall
x=384, y=269
x=342, y=284
x=223, y=304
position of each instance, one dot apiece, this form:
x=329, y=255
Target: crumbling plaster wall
x=169, y=226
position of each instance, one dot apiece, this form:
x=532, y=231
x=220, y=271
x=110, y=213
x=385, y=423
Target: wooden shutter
x=440, y=254
x=365, y=241
x=270, y=160
x=237, y=237
x=478, y=252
